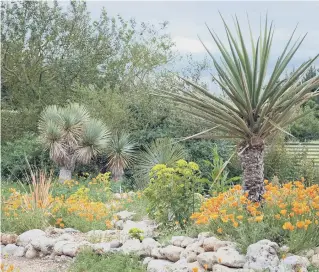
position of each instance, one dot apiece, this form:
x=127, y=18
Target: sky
x=187, y=21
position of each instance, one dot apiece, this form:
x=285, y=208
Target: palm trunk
x=252, y=162
x=65, y=174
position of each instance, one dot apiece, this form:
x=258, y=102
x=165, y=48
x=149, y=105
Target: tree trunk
x=65, y=174
x=252, y=162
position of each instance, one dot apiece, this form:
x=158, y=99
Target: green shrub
x=172, y=192
x=136, y=233
x=89, y=262
x=16, y=155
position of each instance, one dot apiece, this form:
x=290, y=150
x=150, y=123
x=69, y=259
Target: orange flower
x=240, y=217
x=300, y=224
x=277, y=216
x=195, y=269
x=283, y=212
x=206, y=266
x=259, y=218
x=288, y=226
x=235, y=224
x=219, y=260
x=220, y=230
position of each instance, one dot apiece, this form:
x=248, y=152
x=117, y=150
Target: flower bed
x=288, y=215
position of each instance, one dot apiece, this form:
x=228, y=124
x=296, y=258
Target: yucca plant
x=160, y=151
x=71, y=136
x=257, y=101
x=121, y=153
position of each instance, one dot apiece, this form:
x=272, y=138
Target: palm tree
x=161, y=151
x=254, y=105
x=71, y=136
x=121, y=154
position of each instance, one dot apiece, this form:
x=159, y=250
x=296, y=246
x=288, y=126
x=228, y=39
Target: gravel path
x=35, y=265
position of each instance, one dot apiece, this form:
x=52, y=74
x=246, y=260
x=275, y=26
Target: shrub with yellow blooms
x=289, y=214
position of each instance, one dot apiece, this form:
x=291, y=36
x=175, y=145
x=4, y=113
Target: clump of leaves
x=136, y=233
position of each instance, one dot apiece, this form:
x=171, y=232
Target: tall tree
x=255, y=106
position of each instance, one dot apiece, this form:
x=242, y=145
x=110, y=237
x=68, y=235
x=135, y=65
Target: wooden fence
x=308, y=149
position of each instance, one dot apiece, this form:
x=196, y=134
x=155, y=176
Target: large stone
x=148, y=244
x=207, y=259
x=20, y=251
x=230, y=257
x=71, y=249
x=131, y=246
x=315, y=260
x=26, y=237
x=262, y=256
x=101, y=247
x=9, y=249
x=31, y=252
x=146, y=226
x=172, y=253
x=295, y=263
x=316, y=250
x=191, y=252
x=213, y=244
x=43, y=244
x=119, y=224
x=125, y=215
x=147, y=260
x=222, y=268
x=65, y=237
x=7, y=238
x=194, y=265
x=157, y=253
x=187, y=241
x=179, y=266
x=158, y=266
x=115, y=244
x=177, y=240
x=58, y=247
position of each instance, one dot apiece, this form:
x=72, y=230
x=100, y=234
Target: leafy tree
x=71, y=136
x=121, y=154
x=254, y=107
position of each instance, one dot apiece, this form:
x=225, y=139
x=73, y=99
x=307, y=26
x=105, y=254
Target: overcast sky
x=187, y=20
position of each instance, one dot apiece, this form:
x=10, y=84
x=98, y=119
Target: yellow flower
x=219, y=230
x=277, y=216
x=219, y=260
x=235, y=224
x=240, y=217
x=300, y=224
x=288, y=226
x=283, y=212
x=195, y=269
x=259, y=218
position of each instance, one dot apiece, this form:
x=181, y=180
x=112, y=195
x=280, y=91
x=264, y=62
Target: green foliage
x=23, y=220
x=16, y=155
x=136, y=233
x=219, y=179
x=161, y=151
x=172, y=192
x=112, y=262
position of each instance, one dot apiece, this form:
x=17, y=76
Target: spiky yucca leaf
x=121, y=153
x=255, y=106
x=161, y=151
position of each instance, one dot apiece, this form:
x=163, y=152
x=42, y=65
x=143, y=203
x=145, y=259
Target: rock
x=204, y=235
x=172, y=253
x=310, y=253
x=148, y=244
x=221, y=268
x=191, y=252
x=315, y=260
x=157, y=253
x=147, y=260
x=71, y=230
x=115, y=244
x=101, y=247
x=117, y=196
x=187, y=241
x=62, y=259
x=193, y=265
x=213, y=244
x=207, y=259
x=316, y=250
x=43, y=244
x=147, y=226
x=26, y=237
x=119, y=225
x=70, y=249
x=20, y=251
x=31, y=252
x=179, y=266
x=262, y=256
x=52, y=231
x=177, y=240
x=295, y=263
x=125, y=215
x=58, y=247
x=9, y=249
x=131, y=194
x=158, y=266
x=8, y=238
x=65, y=237
x=230, y=257
x=132, y=246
